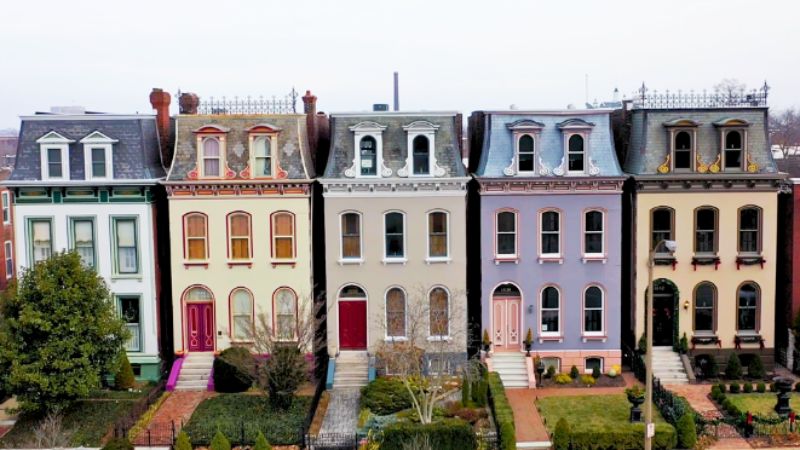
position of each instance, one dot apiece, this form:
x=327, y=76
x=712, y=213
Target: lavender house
x=550, y=209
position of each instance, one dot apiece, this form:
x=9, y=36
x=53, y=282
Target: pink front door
x=200, y=327
x=352, y=324
x=505, y=324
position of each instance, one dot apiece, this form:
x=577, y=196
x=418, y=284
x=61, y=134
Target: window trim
x=54, y=140
x=221, y=139
x=517, y=138
x=275, y=315
x=117, y=302
x=692, y=131
x=596, y=256
x=602, y=332
x=232, y=314
x=362, y=130
x=115, y=250
x=414, y=130
x=72, y=244
x=428, y=257
x=506, y=256
x=652, y=230
x=387, y=336
x=695, y=230
x=8, y=250
x=239, y=261
x=440, y=337
x=550, y=257
x=395, y=259
x=274, y=236
x=723, y=150
x=757, y=308
x=586, y=369
x=714, y=308
x=544, y=335
x=29, y=221
x=349, y=259
x=585, y=137
x=431, y=158
x=759, y=230
x=5, y=197
x=273, y=155
x=185, y=219
x=88, y=163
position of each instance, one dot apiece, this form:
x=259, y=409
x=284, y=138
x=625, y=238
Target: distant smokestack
x=396, y=92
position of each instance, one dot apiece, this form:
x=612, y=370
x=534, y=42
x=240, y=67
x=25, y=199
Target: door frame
x=674, y=322
x=521, y=315
x=339, y=318
x=185, y=322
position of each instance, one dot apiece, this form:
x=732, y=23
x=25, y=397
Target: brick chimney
x=160, y=101
x=310, y=110
x=188, y=103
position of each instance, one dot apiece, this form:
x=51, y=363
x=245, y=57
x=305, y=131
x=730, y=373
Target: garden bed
x=603, y=381
x=761, y=404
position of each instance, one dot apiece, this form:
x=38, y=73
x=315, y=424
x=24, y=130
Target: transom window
x=506, y=234
x=705, y=230
x=525, y=153
x=593, y=233
x=576, y=153
x=395, y=313
x=439, y=312
x=285, y=314
x=683, y=151
x=550, y=310
x=369, y=156
x=733, y=150
x=212, y=157
x=83, y=240
x=41, y=239
x=662, y=220
x=196, y=235
x=437, y=235
x=199, y=294
x=394, y=223
x=705, y=295
x=241, y=314
x=351, y=236
x=747, y=315
x=239, y=236
x=421, y=156
x=283, y=235
x=750, y=230
x=263, y=156
x=550, y=233
x=127, y=253
x=593, y=310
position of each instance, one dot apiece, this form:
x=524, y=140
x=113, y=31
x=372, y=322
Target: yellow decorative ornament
x=702, y=168
x=752, y=167
x=664, y=168
x=715, y=166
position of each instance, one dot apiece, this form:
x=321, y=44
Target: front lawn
x=761, y=404
x=241, y=416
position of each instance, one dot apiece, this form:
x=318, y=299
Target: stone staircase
x=511, y=368
x=668, y=367
x=352, y=370
x=195, y=372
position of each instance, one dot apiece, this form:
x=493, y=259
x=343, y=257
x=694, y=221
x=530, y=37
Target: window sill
x=749, y=260
x=506, y=259
x=291, y=263
x=351, y=261
x=122, y=276
x=551, y=259
x=247, y=264
x=594, y=337
x=705, y=260
x=203, y=264
x=439, y=338
x=445, y=260
x=391, y=339
x=707, y=338
x=594, y=258
x=748, y=337
x=551, y=338
x=402, y=261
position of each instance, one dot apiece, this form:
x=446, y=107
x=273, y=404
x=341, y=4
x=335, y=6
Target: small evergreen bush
x=118, y=444
x=563, y=378
x=551, y=372
x=261, y=443
x=761, y=387
x=715, y=392
x=385, y=395
x=466, y=395
x=755, y=369
x=796, y=387
x=687, y=433
x=480, y=392
x=748, y=388
x=733, y=371
x=446, y=434
x=182, y=442
x=588, y=380
x=233, y=370
x=124, y=378
x=220, y=442
x=574, y=373
x=561, y=435
x=734, y=388
x=683, y=344
x=596, y=372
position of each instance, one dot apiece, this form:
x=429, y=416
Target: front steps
x=668, y=367
x=195, y=372
x=512, y=369
x=352, y=370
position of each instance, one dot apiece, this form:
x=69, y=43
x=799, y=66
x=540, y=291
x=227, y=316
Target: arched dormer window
x=421, y=159
x=263, y=141
x=576, y=132
x=683, y=151
x=733, y=150
x=421, y=156
x=368, y=150
x=575, y=154
x=525, y=134
x=211, y=157
x=525, y=153
x=682, y=136
x=733, y=136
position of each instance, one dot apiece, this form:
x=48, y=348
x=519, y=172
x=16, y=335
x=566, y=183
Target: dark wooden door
x=200, y=327
x=352, y=324
x=663, y=319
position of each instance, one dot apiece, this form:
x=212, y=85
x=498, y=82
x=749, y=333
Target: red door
x=352, y=324
x=200, y=327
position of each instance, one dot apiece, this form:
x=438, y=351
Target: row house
x=704, y=177
x=88, y=182
x=7, y=259
x=395, y=208
x=550, y=211
x=788, y=290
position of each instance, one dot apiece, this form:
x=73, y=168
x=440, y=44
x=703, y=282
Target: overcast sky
x=451, y=55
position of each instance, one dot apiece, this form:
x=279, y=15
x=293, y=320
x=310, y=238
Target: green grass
x=589, y=412
x=237, y=414
x=761, y=404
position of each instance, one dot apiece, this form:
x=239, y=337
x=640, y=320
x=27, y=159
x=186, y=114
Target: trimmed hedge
x=385, y=395
x=632, y=438
x=446, y=434
x=503, y=414
x=233, y=370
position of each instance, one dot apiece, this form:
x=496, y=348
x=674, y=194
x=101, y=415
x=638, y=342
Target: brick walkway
x=177, y=409
x=697, y=396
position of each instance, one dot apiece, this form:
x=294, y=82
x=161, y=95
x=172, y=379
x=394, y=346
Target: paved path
x=177, y=409
x=697, y=396
x=342, y=413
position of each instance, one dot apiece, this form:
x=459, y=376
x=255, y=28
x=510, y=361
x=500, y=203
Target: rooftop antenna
x=396, y=92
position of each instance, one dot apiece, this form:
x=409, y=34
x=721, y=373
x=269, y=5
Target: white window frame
x=584, y=136
x=362, y=130
x=72, y=243
x=387, y=336
x=395, y=259
x=97, y=140
x=743, y=149
x=550, y=334
x=6, y=199
x=586, y=370
x=115, y=247
x=349, y=259
x=518, y=138
x=8, y=247
x=118, y=300
x=187, y=239
x=602, y=311
x=602, y=233
x=497, y=254
x=234, y=314
x=273, y=145
x=551, y=256
x=425, y=129
x=692, y=132
x=428, y=257
x=53, y=140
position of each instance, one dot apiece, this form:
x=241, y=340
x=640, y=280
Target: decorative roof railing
x=735, y=98
x=250, y=105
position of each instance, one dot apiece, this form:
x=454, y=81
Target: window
x=199, y=294
x=9, y=253
x=54, y=155
x=748, y=308
x=54, y=163
x=507, y=234
x=437, y=235
x=241, y=314
x=130, y=312
x=212, y=157
x=593, y=310
x=525, y=153
x=705, y=231
x=369, y=156
x=593, y=363
x=733, y=150
x=97, y=160
x=97, y=155
x=750, y=230
x=550, y=234
x=705, y=295
x=683, y=151
x=421, y=156
x=395, y=313
x=661, y=226
x=593, y=233
x=127, y=254
x=41, y=239
x=83, y=239
x=196, y=235
x=351, y=236
x=285, y=314
x=283, y=235
x=575, y=153
x=552, y=362
x=6, y=198
x=439, y=312
x=239, y=236
x=263, y=156
x=550, y=310
x=395, y=240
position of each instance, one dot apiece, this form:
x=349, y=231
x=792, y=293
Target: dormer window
x=732, y=158
x=54, y=156
x=525, y=153
x=682, y=135
x=262, y=151
x=212, y=158
x=733, y=136
x=368, y=149
x=576, y=134
x=97, y=156
x=421, y=157
x=525, y=134
x=575, y=154
x=263, y=139
x=683, y=151
x=211, y=147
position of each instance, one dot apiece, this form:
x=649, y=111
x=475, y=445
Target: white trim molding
x=53, y=140
x=98, y=140
x=360, y=131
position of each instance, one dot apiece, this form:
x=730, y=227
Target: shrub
x=261, y=443
x=503, y=413
x=285, y=370
x=755, y=369
x=733, y=371
x=574, y=373
x=734, y=388
x=563, y=378
x=220, y=442
x=796, y=387
x=124, y=379
x=707, y=365
x=715, y=392
x=772, y=387
x=551, y=371
x=761, y=387
x=385, y=395
x=596, y=372
x=466, y=395
x=643, y=344
x=118, y=444
x=748, y=388
x=561, y=435
x=683, y=344
x=479, y=393
x=182, y=442
x=446, y=434
x=233, y=370
x=588, y=380
x=687, y=433
x=622, y=438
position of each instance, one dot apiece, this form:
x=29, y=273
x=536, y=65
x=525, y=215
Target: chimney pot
x=188, y=103
x=160, y=101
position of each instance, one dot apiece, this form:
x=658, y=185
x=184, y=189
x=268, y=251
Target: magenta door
x=352, y=325
x=200, y=327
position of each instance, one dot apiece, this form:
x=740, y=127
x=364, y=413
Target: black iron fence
x=123, y=425
x=332, y=441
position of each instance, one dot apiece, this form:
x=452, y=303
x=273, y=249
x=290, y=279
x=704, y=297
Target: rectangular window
x=54, y=168
x=283, y=236
x=705, y=231
x=593, y=233
x=129, y=310
x=351, y=236
x=661, y=227
x=394, y=236
x=126, y=251
x=6, y=207
x=83, y=240
x=41, y=243
x=98, y=155
x=437, y=235
x=749, y=230
x=239, y=226
x=550, y=234
x=506, y=234
x=9, y=253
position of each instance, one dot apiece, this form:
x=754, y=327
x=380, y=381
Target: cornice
x=302, y=189
x=430, y=186
x=607, y=185
x=762, y=183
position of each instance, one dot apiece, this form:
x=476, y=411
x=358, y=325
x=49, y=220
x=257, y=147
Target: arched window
x=285, y=310
x=525, y=153
x=263, y=156
x=195, y=233
x=351, y=235
x=576, y=154
x=705, y=295
x=241, y=314
x=394, y=225
x=439, y=312
x=550, y=311
x=593, y=233
x=750, y=230
x=395, y=313
x=683, y=151
x=283, y=235
x=550, y=234
x=239, y=236
x=198, y=294
x=593, y=310
x=211, y=157
x=352, y=291
x=506, y=234
x=705, y=231
x=437, y=235
x=421, y=156
x=661, y=226
x=748, y=308
x=733, y=150
x=368, y=156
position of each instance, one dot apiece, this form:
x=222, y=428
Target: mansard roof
x=498, y=147
x=134, y=139
x=293, y=153
x=394, y=128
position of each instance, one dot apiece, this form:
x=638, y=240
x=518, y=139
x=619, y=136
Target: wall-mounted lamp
x=686, y=304
x=530, y=309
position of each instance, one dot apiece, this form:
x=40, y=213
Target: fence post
x=173, y=432
x=241, y=441
x=149, y=438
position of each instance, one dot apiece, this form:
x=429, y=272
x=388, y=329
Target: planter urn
x=784, y=388
x=636, y=411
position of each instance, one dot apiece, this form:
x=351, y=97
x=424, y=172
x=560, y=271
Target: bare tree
x=421, y=338
x=784, y=130
x=50, y=433
x=730, y=88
